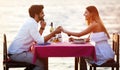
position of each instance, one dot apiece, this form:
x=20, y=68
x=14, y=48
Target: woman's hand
x=87, y=40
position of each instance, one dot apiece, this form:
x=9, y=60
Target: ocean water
x=67, y=13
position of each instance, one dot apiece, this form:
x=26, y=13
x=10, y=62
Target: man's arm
x=52, y=34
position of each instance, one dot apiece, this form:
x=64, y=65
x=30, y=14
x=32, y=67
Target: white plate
x=79, y=41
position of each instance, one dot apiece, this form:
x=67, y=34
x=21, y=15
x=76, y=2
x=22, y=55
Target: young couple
x=29, y=33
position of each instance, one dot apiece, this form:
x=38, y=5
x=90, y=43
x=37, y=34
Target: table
x=64, y=49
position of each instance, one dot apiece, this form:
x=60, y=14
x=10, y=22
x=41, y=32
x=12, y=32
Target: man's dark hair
x=35, y=9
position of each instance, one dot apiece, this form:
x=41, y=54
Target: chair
x=111, y=63
x=8, y=63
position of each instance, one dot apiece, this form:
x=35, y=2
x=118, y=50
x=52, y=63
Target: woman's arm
x=84, y=32
x=87, y=39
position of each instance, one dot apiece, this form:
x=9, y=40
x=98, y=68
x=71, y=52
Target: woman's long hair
x=95, y=17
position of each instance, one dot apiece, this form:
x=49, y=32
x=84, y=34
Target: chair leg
x=94, y=68
x=90, y=67
x=112, y=68
x=5, y=68
x=30, y=67
x=117, y=68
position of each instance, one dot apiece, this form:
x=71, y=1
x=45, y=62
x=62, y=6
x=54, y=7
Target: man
x=29, y=33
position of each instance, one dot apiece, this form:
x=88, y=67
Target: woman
x=98, y=34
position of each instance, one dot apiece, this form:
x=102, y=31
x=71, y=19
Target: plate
x=79, y=41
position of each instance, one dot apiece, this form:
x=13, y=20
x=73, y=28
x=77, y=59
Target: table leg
x=76, y=63
x=83, y=65
x=45, y=62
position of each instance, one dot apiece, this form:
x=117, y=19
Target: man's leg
x=27, y=57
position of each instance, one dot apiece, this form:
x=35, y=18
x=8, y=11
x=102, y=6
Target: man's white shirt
x=27, y=34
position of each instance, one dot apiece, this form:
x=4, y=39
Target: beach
x=66, y=13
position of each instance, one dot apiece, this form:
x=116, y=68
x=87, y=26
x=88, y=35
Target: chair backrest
x=4, y=47
x=116, y=45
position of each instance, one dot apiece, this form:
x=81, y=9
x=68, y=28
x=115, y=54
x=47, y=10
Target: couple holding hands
x=29, y=33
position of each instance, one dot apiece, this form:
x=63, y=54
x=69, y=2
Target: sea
x=65, y=13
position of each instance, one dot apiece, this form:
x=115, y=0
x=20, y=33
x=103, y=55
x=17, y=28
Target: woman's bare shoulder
x=93, y=24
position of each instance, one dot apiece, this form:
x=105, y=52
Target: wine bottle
x=51, y=30
x=51, y=27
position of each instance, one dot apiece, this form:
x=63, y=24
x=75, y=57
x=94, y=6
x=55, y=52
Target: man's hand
x=62, y=29
x=43, y=24
x=58, y=30
x=71, y=39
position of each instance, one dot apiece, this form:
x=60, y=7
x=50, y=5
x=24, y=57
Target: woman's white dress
x=104, y=51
